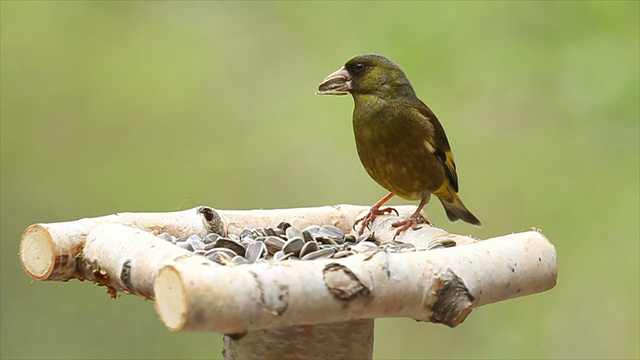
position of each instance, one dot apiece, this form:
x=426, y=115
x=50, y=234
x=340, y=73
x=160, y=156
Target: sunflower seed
x=308, y=247
x=211, y=238
x=230, y=253
x=293, y=246
x=185, y=245
x=406, y=247
x=326, y=240
x=350, y=238
x=363, y=237
x=220, y=255
x=306, y=235
x=284, y=225
x=195, y=242
x=255, y=251
x=273, y=244
x=232, y=245
x=293, y=232
x=342, y=254
x=247, y=240
x=332, y=231
x=319, y=254
x=239, y=260
x=363, y=246
x=286, y=257
x=246, y=233
x=439, y=244
x=313, y=229
x=166, y=237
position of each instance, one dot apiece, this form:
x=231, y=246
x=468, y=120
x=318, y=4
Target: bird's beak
x=337, y=83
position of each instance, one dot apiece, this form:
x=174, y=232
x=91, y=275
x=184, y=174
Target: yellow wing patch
x=451, y=165
x=447, y=159
x=429, y=147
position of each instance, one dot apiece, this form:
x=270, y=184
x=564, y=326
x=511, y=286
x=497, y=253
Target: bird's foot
x=371, y=215
x=412, y=222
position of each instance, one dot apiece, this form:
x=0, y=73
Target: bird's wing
x=438, y=143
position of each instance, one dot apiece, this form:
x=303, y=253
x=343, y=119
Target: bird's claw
x=412, y=222
x=388, y=210
x=365, y=220
x=371, y=215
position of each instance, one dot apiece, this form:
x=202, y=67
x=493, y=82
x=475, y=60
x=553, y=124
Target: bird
x=399, y=140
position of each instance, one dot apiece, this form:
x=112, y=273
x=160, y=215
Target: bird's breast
x=392, y=150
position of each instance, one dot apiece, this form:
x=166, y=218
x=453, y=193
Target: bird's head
x=368, y=74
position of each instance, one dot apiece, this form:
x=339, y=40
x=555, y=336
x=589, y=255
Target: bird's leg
x=413, y=220
x=373, y=212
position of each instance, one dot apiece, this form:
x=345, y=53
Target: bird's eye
x=358, y=68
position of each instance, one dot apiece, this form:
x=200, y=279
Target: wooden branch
x=441, y=285
x=50, y=251
x=125, y=259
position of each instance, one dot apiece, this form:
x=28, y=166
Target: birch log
x=441, y=286
x=125, y=259
x=50, y=251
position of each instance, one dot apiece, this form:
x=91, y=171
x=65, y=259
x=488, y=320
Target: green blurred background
x=161, y=106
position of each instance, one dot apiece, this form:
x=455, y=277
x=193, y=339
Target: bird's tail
x=454, y=207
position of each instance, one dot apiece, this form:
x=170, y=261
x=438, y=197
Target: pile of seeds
x=283, y=242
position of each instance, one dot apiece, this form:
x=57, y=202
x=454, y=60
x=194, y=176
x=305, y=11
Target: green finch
x=400, y=141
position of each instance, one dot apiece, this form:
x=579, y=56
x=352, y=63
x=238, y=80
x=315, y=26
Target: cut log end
x=171, y=302
x=37, y=252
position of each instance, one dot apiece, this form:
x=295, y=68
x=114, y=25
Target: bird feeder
x=284, y=284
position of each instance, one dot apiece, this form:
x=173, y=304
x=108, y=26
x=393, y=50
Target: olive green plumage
x=400, y=141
